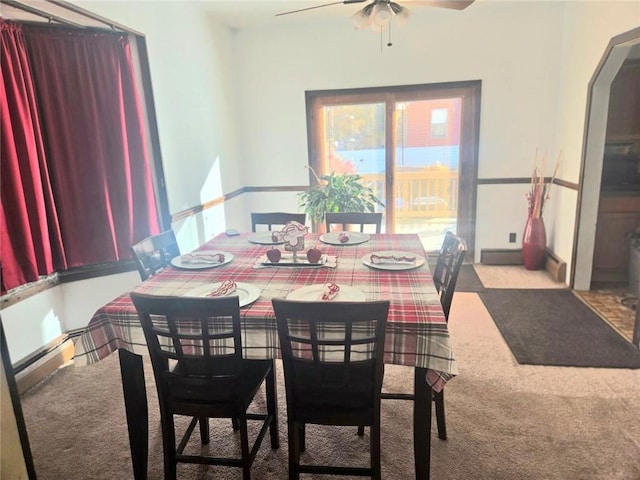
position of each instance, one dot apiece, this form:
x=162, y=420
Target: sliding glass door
x=408, y=143
x=354, y=141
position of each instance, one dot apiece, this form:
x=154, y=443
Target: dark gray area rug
x=468, y=280
x=554, y=327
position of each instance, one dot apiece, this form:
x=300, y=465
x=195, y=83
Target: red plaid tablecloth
x=417, y=333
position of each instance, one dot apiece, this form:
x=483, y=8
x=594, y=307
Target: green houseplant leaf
x=337, y=193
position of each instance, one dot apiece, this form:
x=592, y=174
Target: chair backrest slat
x=271, y=219
x=154, y=253
x=332, y=354
x=354, y=218
x=194, y=344
x=445, y=274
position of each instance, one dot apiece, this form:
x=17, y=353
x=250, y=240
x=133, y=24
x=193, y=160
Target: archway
x=615, y=54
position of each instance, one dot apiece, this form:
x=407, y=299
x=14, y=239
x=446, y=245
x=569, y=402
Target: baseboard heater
x=556, y=267
x=42, y=363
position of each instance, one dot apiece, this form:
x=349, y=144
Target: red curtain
x=95, y=142
x=30, y=241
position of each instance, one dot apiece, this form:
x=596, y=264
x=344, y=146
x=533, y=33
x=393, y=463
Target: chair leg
x=244, y=447
x=234, y=424
x=361, y=430
x=375, y=451
x=303, y=435
x=272, y=405
x=169, y=448
x=294, y=435
x=204, y=430
x=442, y=427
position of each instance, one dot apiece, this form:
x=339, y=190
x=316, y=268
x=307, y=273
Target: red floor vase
x=534, y=241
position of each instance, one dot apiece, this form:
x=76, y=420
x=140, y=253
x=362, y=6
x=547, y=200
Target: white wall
x=40, y=319
x=534, y=59
x=247, y=91
x=189, y=56
x=513, y=48
x=32, y=323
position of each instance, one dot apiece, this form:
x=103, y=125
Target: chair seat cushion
x=236, y=386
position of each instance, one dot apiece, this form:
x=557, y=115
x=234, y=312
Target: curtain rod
x=72, y=8
x=40, y=13
x=86, y=13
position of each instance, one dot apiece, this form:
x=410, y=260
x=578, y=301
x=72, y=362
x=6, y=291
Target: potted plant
x=337, y=192
x=634, y=261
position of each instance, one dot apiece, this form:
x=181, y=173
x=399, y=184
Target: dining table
x=417, y=335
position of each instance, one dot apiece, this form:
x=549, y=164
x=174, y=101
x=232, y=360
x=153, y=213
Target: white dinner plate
x=177, y=261
x=354, y=238
x=313, y=293
x=264, y=238
x=366, y=259
x=246, y=292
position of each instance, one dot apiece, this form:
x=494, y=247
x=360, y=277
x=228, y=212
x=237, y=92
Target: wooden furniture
x=353, y=218
x=202, y=338
x=635, y=339
x=16, y=459
x=417, y=333
x=623, y=120
x=332, y=354
x=445, y=274
x=275, y=218
x=445, y=277
x=617, y=215
x=154, y=253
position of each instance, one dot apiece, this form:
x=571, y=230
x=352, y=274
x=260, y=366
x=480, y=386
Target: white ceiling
x=251, y=13
x=236, y=13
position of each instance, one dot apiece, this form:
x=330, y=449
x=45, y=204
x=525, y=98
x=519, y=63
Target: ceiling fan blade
x=346, y=2
x=453, y=4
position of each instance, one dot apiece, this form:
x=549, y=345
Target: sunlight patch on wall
x=212, y=186
x=50, y=326
x=193, y=231
x=187, y=233
x=213, y=219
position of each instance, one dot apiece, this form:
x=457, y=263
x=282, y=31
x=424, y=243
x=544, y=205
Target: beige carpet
x=514, y=276
x=505, y=421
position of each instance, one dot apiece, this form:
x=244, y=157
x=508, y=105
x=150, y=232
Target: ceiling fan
x=379, y=13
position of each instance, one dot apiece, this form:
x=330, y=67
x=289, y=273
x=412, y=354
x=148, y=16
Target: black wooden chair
x=275, y=218
x=333, y=358
x=154, y=253
x=445, y=273
x=354, y=218
x=445, y=276
x=195, y=346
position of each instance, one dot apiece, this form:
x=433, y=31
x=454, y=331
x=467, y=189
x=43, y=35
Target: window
x=439, y=122
x=77, y=188
x=385, y=135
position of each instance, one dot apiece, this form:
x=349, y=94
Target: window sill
x=23, y=292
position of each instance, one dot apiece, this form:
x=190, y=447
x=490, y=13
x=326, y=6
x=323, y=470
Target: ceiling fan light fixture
x=381, y=16
x=402, y=16
x=361, y=20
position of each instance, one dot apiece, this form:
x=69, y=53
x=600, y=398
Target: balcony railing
x=425, y=193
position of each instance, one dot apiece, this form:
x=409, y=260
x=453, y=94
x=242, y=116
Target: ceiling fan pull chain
x=389, y=44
